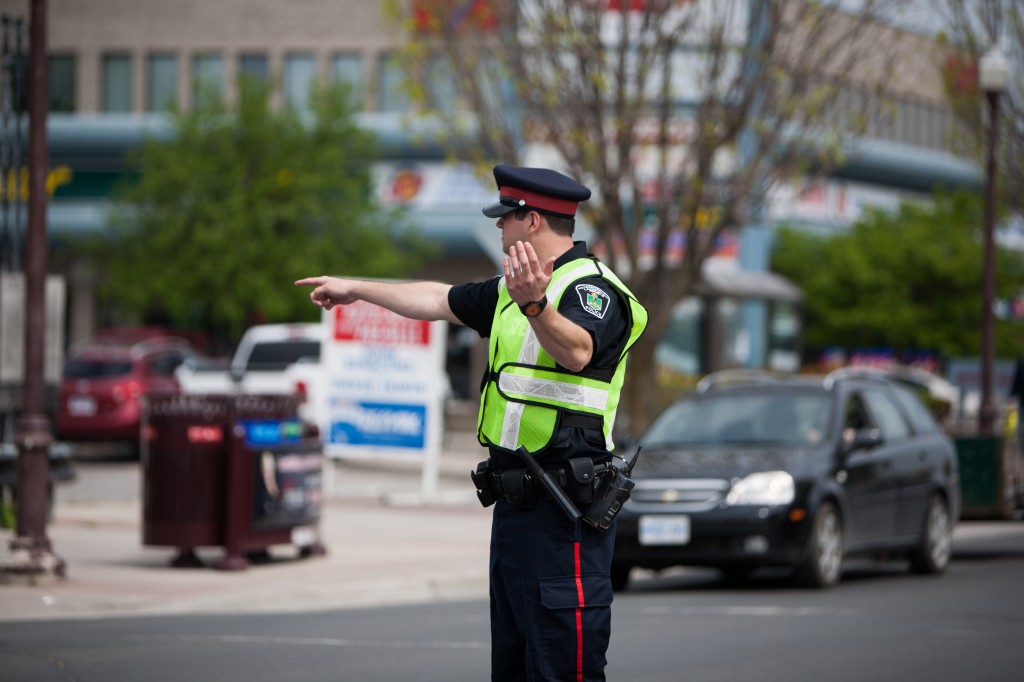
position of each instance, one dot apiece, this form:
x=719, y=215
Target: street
x=880, y=623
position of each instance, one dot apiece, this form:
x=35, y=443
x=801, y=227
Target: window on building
x=299, y=76
x=441, y=84
x=680, y=347
x=207, y=78
x=254, y=65
x=61, y=78
x=348, y=68
x=735, y=339
x=117, y=83
x=783, y=336
x=391, y=95
x=161, y=81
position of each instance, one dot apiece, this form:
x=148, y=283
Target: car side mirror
x=864, y=439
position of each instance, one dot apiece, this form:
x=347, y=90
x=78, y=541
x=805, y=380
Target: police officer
x=560, y=325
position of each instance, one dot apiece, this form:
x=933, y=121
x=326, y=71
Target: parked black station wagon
x=752, y=469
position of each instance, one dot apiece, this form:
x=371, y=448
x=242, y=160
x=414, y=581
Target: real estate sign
x=385, y=384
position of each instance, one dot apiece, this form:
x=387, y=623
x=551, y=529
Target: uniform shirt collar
x=578, y=250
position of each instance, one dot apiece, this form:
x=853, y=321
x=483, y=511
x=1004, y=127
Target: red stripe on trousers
x=579, y=617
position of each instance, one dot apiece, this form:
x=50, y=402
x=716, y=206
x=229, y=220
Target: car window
x=164, y=364
x=83, y=368
x=920, y=418
x=280, y=354
x=887, y=414
x=789, y=418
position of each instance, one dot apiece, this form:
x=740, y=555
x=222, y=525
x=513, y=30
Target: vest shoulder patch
x=593, y=299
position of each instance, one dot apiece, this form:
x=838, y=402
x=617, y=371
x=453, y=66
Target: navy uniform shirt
x=474, y=305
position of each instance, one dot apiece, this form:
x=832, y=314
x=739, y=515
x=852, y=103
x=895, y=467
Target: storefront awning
x=735, y=283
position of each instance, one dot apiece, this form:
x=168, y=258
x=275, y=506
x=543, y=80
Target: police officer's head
x=548, y=192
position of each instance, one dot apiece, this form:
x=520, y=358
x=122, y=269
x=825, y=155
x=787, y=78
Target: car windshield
x=86, y=368
x=786, y=418
x=279, y=354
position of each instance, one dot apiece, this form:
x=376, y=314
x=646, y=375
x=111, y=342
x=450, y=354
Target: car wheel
x=933, y=554
x=620, y=576
x=823, y=561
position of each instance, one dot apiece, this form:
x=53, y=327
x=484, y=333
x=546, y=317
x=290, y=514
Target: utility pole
x=31, y=553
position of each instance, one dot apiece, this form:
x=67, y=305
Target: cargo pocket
x=560, y=629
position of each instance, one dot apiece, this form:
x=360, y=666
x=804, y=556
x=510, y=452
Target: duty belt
x=518, y=487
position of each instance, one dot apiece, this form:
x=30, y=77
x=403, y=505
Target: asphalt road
x=881, y=623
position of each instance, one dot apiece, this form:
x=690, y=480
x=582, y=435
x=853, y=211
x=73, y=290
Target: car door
x=866, y=478
x=869, y=485
x=918, y=467
x=899, y=452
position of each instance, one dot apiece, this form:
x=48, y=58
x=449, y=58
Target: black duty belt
x=583, y=421
x=577, y=478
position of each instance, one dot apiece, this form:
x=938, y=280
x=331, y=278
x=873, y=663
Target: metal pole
x=987, y=411
x=31, y=552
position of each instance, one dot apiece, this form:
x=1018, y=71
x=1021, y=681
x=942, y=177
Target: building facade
x=115, y=65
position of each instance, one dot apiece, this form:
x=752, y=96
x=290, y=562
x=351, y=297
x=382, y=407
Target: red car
x=103, y=382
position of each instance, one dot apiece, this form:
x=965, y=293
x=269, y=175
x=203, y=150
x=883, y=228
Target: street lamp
x=30, y=551
x=992, y=77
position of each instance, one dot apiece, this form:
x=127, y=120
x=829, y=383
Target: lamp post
x=30, y=551
x=992, y=77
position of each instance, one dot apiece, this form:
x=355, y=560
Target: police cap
x=538, y=189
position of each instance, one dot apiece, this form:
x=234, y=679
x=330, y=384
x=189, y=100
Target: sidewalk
x=385, y=544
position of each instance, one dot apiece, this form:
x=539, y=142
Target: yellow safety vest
x=525, y=389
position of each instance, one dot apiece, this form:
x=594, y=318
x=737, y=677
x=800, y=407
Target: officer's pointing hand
x=328, y=291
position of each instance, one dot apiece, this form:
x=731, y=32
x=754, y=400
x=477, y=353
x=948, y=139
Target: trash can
x=235, y=471
x=986, y=488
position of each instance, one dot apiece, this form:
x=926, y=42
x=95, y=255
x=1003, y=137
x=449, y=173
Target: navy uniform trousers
x=551, y=595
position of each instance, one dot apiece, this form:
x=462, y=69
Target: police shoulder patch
x=594, y=300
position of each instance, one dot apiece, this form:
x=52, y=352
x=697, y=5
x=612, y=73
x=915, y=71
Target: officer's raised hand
x=527, y=280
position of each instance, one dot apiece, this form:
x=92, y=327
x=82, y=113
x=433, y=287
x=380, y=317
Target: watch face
x=532, y=310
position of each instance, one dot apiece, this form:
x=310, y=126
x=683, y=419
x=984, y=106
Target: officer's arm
x=416, y=300
x=569, y=344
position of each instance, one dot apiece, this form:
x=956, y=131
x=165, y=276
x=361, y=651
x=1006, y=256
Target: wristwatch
x=534, y=308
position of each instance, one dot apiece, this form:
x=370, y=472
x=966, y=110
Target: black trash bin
x=235, y=471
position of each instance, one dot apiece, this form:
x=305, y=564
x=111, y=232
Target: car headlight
x=763, y=488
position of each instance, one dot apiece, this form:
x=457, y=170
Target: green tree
x=238, y=201
x=677, y=114
x=909, y=280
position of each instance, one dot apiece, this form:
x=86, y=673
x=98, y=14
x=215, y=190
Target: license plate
x=81, y=406
x=665, y=530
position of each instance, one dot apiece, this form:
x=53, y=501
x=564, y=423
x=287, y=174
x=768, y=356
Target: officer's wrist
x=534, y=308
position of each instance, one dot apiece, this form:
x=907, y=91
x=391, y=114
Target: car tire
x=823, y=558
x=620, y=576
x=932, y=556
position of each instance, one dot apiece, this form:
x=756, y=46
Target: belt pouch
x=518, y=488
x=581, y=480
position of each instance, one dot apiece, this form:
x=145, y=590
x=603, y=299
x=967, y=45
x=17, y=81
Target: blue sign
x=264, y=432
x=379, y=424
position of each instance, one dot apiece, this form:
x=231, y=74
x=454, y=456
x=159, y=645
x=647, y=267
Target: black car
x=752, y=469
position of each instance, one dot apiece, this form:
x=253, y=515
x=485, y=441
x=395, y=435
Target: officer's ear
x=536, y=222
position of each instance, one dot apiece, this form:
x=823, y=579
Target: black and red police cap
x=538, y=189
